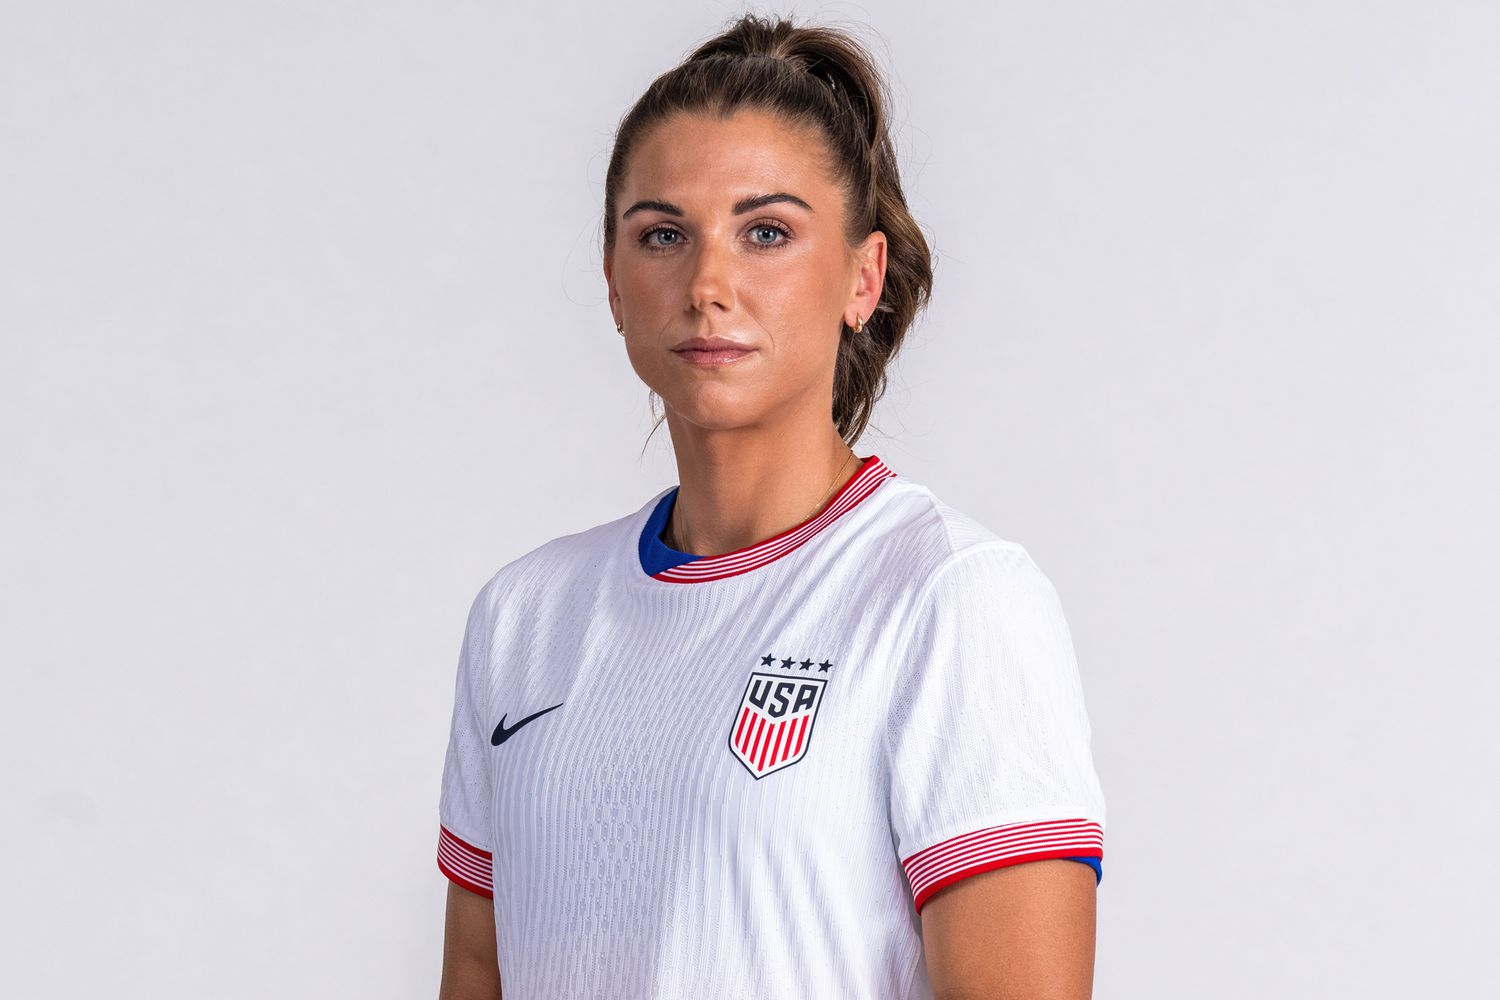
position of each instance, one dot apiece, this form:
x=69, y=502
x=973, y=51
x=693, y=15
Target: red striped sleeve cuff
x=464, y=863
x=957, y=858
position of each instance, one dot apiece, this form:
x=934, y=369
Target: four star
x=786, y=663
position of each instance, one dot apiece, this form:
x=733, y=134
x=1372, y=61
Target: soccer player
x=794, y=727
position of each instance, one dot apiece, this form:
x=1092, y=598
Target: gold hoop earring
x=859, y=323
x=620, y=329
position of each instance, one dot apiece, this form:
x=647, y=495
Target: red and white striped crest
x=773, y=726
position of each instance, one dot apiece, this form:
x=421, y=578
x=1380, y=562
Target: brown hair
x=824, y=79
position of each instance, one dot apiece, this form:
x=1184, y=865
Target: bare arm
x=470, y=968
x=1025, y=931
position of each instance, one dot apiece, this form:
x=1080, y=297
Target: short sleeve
x=464, y=850
x=988, y=742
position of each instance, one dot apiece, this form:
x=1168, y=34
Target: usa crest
x=773, y=726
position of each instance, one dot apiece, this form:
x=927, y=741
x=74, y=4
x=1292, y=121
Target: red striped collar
x=671, y=566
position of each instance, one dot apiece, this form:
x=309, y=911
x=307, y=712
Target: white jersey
x=743, y=775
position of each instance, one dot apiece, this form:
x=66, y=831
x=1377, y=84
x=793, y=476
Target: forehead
x=713, y=160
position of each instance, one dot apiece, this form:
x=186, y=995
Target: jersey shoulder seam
x=947, y=517
x=924, y=593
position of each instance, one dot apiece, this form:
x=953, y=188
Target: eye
x=759, y=237
x=665, y=230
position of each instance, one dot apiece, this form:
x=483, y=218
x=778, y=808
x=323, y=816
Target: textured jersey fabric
x=743, y=775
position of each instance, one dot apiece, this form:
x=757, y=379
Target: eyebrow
x=740, y=207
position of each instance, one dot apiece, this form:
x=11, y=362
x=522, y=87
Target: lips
x=712, y=344
x=712, y=351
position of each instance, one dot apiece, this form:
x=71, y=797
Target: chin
x=718, y=408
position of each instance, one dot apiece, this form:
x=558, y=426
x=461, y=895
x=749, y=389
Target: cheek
x=645, y=278
x=648, y=363
x=797, y=299
x=636, y=286
x=808, y=300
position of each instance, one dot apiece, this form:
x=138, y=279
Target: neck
x=738, y=488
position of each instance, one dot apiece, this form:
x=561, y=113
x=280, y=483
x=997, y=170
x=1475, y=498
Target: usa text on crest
x=772, y=727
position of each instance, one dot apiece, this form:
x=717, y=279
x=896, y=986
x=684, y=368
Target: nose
x=712, y=282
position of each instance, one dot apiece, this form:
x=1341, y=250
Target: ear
x=869, y=280
x=609, y=284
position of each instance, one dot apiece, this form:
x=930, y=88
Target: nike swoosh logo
x=502, y=734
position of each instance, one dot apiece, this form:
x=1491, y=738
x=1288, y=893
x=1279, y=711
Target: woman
x=795, y=726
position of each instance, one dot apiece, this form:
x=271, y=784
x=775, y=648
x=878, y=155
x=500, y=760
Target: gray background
x=304, y=335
